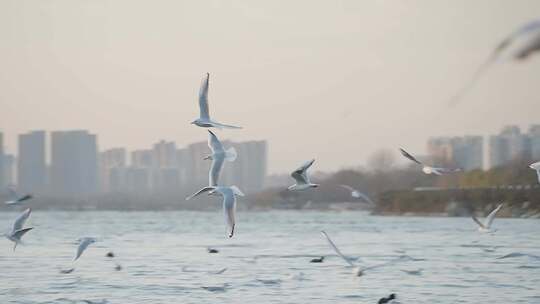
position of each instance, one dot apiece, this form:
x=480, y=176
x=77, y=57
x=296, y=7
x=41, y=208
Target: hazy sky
x=333, y=80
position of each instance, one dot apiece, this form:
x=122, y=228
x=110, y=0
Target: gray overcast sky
x=333, y=80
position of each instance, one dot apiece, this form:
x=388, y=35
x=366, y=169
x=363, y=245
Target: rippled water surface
x=164, y=259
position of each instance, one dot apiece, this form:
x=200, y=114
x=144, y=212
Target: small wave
x=221, y=288
x=528, y=267
x=270, y=281
x=517, y=255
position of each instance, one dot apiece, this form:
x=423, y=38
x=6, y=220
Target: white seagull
x=219, y=156
x=357, y=270
x=301, y=178
x=517, y=46
x=229, y=202
x=428, y=169
x=357, y=194
x=536, y=167
x=204, y=120
x=17, y=231
x=486, y=225
x=83, y=244
x=15, y=199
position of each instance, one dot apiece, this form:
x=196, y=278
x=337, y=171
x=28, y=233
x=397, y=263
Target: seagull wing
x=536, y=167
x=214, y=144
x=24, y=198
x=336, y=249
x=348, y=187
x=491, y=216
x=300, y=174
x=85, y=242
x=522, y=31
x=215, y=169
x=365, y=198
x=223, y=126
x=478, y=222
x=19, y=233
x=445, y=170
x=494, y=56
x=203, y=98
x=237, y=191
x=205, y=189
x=19, y=222
x=409, y=156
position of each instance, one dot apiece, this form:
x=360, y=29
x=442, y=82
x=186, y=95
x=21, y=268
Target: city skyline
x=424, y=151
x=376, y=73
x=164, y=166
x=69, y=162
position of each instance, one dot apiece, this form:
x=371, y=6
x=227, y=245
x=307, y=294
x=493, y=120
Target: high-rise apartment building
x=32, y=166
x=509, y=145
x=463, y=152
x=74, y=162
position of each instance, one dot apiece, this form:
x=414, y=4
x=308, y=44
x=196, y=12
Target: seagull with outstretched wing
x=518, y=45
x=219, y=156
x=357, y=270
x=229, y=205
x=204, y=119
x=485, y=226
x=83, y=244
x=428, y=169
x=301, y=178
x=17, y=231
x=16, y=199
x=357, y=194
x=536, y=167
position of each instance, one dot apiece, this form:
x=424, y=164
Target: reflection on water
x=164, y=259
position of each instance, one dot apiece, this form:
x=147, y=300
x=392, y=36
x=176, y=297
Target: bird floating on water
x=317, y=260
x=391, y=299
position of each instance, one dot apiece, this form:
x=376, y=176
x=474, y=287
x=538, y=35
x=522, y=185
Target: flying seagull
x=536, y=167
x=301, y=178
x=428, y=169
x=15, y=199
x=229, y=202
x=17, y=231
x=357, y=194
x=204, y=119
x=219, y=156
x=517, y=46
x=357, y=270
x=83, y=244
x=486, y=225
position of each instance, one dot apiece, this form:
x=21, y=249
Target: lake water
x=164, y=259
